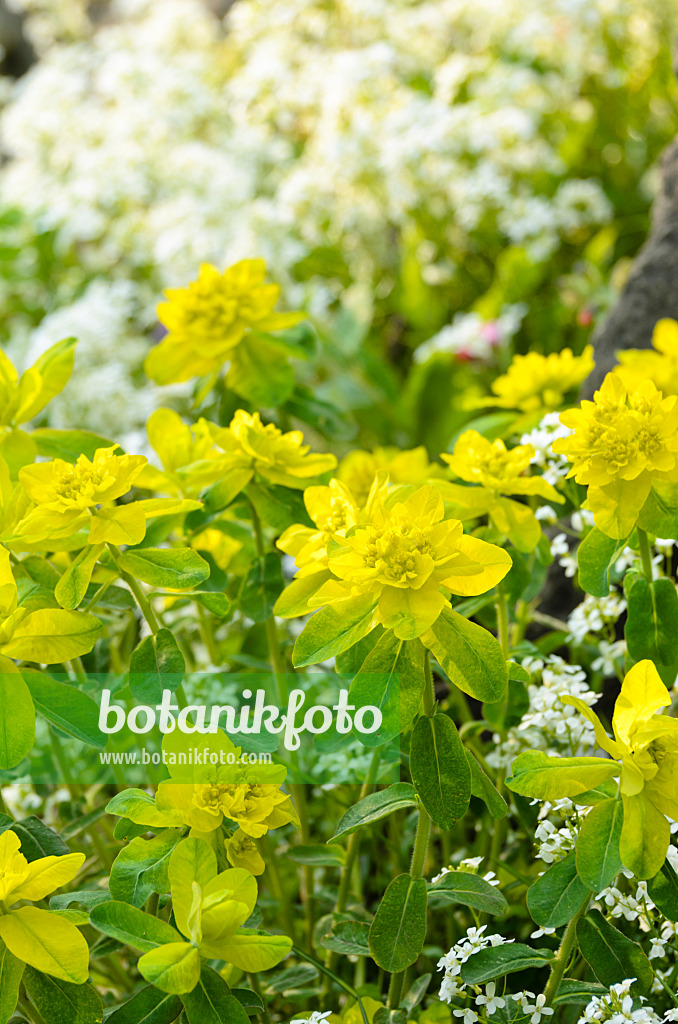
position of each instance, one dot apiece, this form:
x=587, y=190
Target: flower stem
x=645, y=554
x=564, y=953
x=502, y=620
x=139, y=596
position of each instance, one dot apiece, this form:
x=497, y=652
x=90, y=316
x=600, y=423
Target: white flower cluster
x=161, y=137
x=555, y=843
x=620, y=1006
x=548, y=724
x=470, y=336
x=453, y=961
x=595, y=614
x=553, y=467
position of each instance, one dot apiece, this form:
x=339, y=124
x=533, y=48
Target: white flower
x=316, y=1018
x=538, y=1009
x=489, y=1000
x=469, y=1016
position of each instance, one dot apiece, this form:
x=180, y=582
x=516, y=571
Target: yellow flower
x=660, y=366
x=622, y=443
x=359, y=468
x=334, y=510
x=403, y=555
x=242, y=852
x=189, y=457
x=497, y=472
x=261, y=448
x=42, y=939
x=68, y=496
x=210, y=317
x=646, y=746
x=538, y=383
x=218, y=544
x=203, y=795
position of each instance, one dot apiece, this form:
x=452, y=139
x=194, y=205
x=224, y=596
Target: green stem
x=502, y=620
x=645, y=553
x=256, y=987
x=321, y=967
x=139, y=595
x=395, y=990
x=564, y=953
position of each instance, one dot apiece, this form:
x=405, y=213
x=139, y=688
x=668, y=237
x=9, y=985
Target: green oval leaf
x=11, y=971
x=374, y=807
x=67, y=707
x=60, y=1002
x=211, y=1001
x=471, y=891
x=147, y=1007
x=399, y=928
x=392, y=679
x=497, y=961
x=596, y=555
x=141, y=868
x=155, y=665
x=557, y=895
x=132, y=927
x=440, y=771
x=598, y=857
x=663, y=891
x=173, y=568
x=611, y=955
x=17, y=719
x=469, y=654
x=334, y=629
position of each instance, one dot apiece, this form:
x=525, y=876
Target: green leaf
x=299, y=976
x=278, y=506
x=220, y=494
x=557, y=895
x=60, y=1002
x=652, y=620
x=171, y=568
x=318, y=856
x=260, y=372
x=598, y=858
x=149, y=1006
x=214, y=601
x=537, y=775
x=72, y=586
x=85, y=897
x=611, y=955
x=132, y=927
x=596, y=555
x=348, y=938
x=374, y=807
x=483, y=788
x=173, y=968
x=155, y=665
x=469, y=654
x=211, y=1002
x=497, y=961
x=37, y=839
x=68, y=444
x=440, y=770
x=141, y=868
x=53, y=635
x=249, y=1000
x=663, y=891
x=262, y=587
x=17, y=719
x=11, y=971
x=334, y=629
x=659, y=514
x=398, y=930
x=66, y=707
x=469, y=890
x=415, y=994
x=392, y=679
x=572, y=992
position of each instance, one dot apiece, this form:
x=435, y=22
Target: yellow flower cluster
x=403, y=554
x=660, y=366
x=210, y=317
x=538, y=383
x=622, y=442
x=496, y=472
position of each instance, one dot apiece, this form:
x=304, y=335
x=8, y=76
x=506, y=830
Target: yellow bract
x=646, y=746
x=402, y=555
x=359, y=468
x=44, y=940
x=189, y=457
x=660, y=366
x=622, y=442
x=22, y=398
x=264, y=449
x=497, y=472
x=210, y=317
x=538, y=383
